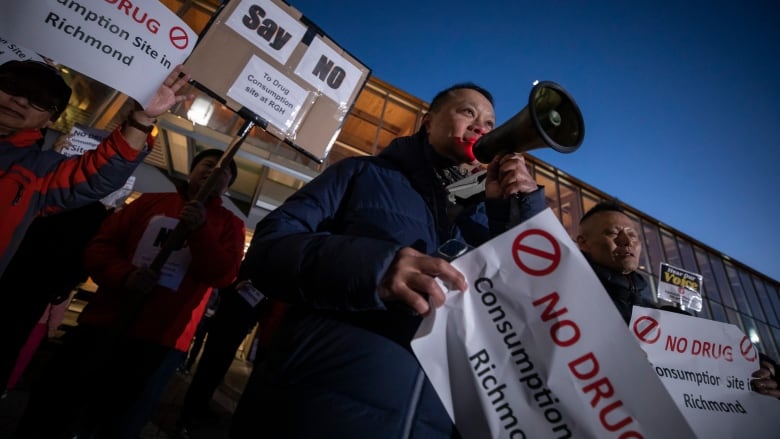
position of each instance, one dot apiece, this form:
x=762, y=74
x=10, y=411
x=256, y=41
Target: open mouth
x=468, y=146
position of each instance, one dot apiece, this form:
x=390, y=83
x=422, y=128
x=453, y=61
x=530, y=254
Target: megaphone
x=551, y=118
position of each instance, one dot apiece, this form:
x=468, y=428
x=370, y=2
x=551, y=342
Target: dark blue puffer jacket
x=341, y=365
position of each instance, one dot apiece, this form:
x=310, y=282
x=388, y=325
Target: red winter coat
x=35, y=182
x=168, y=317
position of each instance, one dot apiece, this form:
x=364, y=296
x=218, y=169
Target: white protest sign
x=706, y=367
x=536, y=349
x=267, y=27
x=677, y=285
x=268, y=92
x=82, y=139
x=329, y=72
x=128, y=45
x=149, y=245
x=10, y=51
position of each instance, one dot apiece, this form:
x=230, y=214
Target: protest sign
x=536, y=349
x=282, y=72
x=128, y=45
x=176, y=265
x=680, y=286
x=82, y=139
x=706, y=366
x=11, y=51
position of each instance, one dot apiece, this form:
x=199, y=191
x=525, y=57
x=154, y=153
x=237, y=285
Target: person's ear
x=426, y=122
x=582, y=242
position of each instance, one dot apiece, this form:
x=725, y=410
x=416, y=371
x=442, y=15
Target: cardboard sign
x=536, y=349
x=128, y=45
x=706, y=366
x=329, y=72
x=281, y=71
x=268, y=27
x=269, y=93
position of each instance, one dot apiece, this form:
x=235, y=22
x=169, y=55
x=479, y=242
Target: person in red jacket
x=117, y=368
x=35, y=182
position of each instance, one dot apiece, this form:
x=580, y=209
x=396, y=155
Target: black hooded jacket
x=625, y=290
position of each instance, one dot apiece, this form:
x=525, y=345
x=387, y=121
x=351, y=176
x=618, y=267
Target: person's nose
x=479, y=127
x=623, y=238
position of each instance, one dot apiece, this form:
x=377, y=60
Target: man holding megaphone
x=358, y=252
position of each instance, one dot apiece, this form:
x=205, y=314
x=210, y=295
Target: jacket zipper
x=414, y=401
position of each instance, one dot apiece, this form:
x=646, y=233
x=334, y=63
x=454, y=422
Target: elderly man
x=35, y=182
x=609, y=240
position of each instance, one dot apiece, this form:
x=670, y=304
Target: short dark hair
x=41, y=78
x=604, y=206
x=213, y=152
x=442, y=96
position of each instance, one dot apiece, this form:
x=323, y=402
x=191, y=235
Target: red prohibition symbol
x=179, y=37
x=546, y=259
x=747, y=349
x=647, y=329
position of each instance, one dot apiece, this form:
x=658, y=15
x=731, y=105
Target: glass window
x=571, y=211
x=672, y=255
x=89, y=101
x=709, y=285
x=195, y=14
x=718, y=312
x=399, y=119
x=546, y=179
x=686, y=252
x=723, y=282
x=776, y=333
x=705, y=311
x=774, y=298
x=751, y=331
x=750, y=293
x=588, y=200
x=361, y=129
x=652, y=246
x=737, y=288
x=734, y=318
x=767, y=339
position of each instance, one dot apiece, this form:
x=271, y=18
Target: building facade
x=269, y=171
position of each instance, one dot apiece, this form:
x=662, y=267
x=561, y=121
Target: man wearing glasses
x=35, y=182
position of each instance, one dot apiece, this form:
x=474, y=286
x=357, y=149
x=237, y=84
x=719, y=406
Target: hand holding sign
x=140, y=122
x=412, y=277
x=141, y=280
x=193, y=214
x=166, y=96
x=764, y=381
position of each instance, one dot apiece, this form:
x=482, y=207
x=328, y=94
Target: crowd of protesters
x=339, y=276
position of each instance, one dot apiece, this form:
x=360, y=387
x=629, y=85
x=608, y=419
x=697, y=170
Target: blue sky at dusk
x=680, y=99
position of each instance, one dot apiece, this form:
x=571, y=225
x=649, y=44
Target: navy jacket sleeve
x=298, y=256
